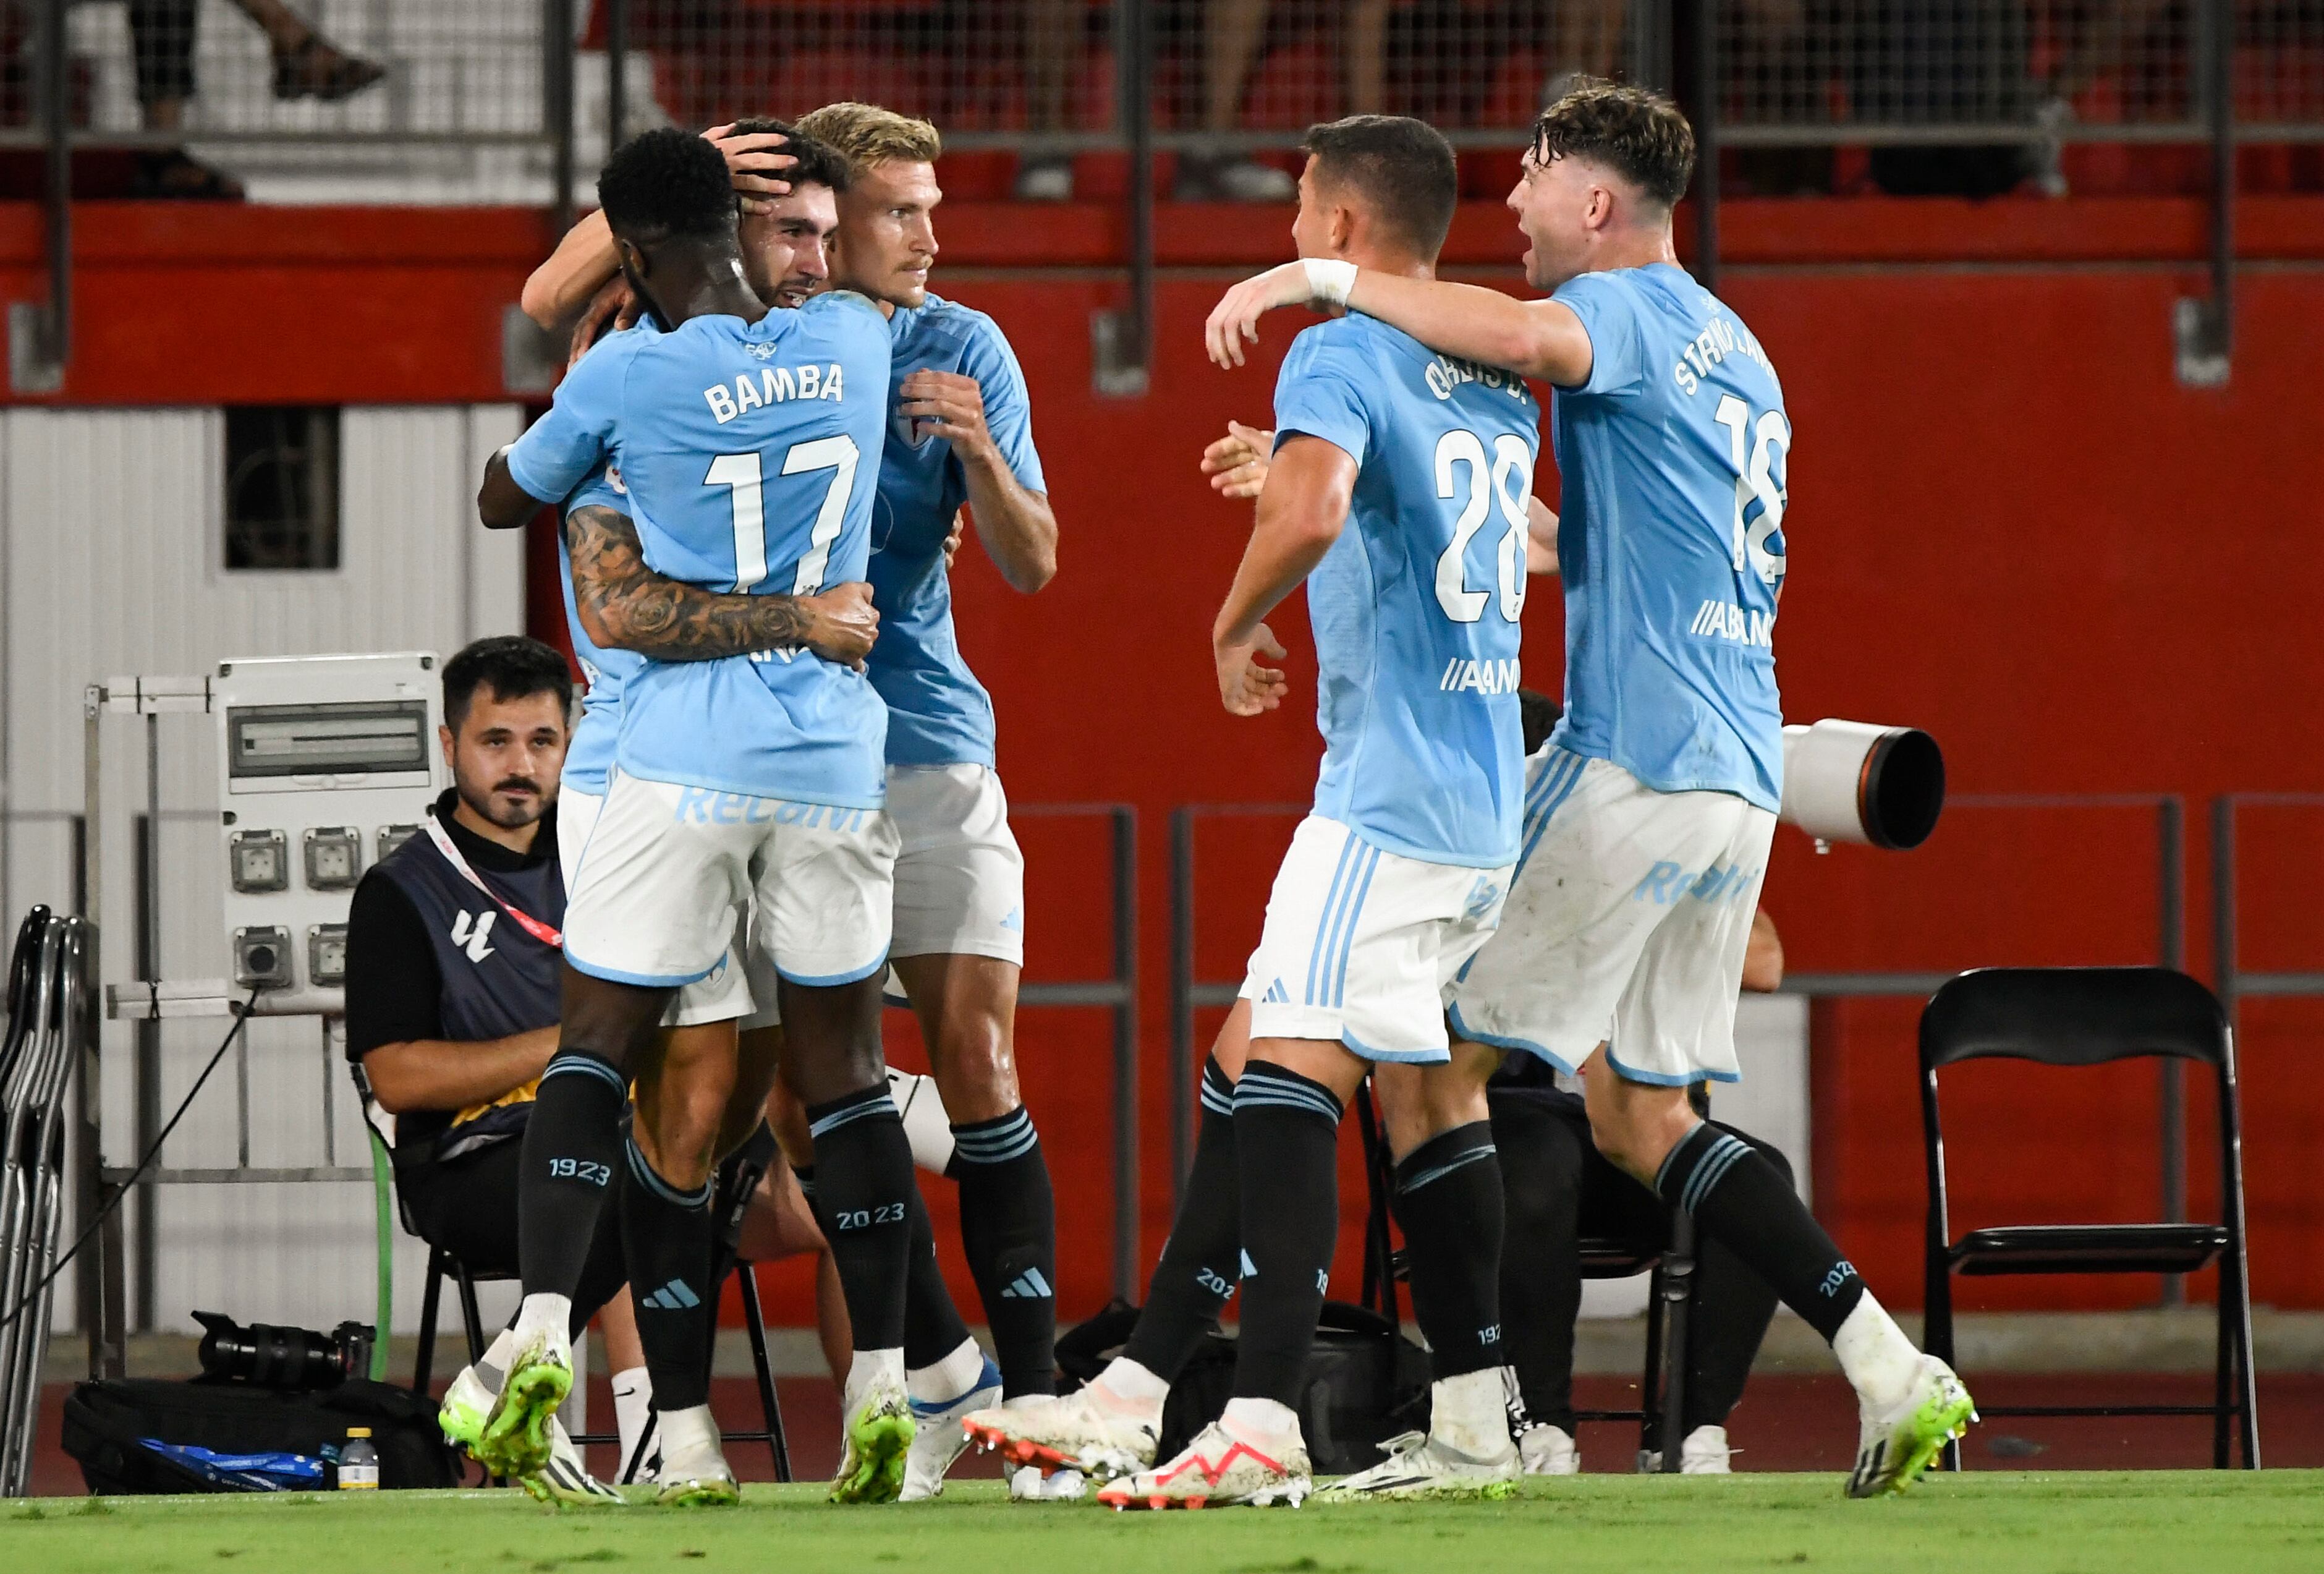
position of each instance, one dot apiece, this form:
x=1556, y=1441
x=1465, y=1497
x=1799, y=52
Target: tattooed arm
x=626, y=605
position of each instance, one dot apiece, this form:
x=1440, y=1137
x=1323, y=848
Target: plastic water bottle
x=358, y=1462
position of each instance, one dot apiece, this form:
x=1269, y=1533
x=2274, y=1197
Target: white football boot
x=1217, y=1469
x=1421, y=1468
x=938, y=1438
x=1087, y=1431
x=1548, y=1451
x=566, y=1480
x=694, y=1472
x=1899, y=1441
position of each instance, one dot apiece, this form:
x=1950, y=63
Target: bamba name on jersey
x=774, y=385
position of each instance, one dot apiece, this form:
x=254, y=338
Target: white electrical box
x=326, y=764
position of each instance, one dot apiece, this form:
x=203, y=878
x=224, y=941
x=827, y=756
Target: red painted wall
x=2010, y=526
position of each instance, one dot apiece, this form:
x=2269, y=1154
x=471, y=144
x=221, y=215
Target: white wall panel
x=110, y=564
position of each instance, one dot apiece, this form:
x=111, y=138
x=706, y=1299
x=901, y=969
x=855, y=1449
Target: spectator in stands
x=1234, y=37
x=307, y=65
x=452, y=1001
x=1053, y=37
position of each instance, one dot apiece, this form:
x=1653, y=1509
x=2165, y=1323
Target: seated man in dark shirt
x=1558, y=1190
x=452, y=989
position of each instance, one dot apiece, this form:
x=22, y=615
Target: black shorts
x=468, y=1207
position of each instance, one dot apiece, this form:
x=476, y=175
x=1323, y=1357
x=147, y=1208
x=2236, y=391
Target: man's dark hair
x=1404, y=169
x=1537, y=715
x=819, y=162
x=1639, y=134
x=666, y=183
x=512, y=667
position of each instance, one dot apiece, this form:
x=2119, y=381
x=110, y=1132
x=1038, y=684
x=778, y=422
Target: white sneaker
x=1046, y=181
x=1419, y=1467
x=694, y=1472
x=1028, y=1485
x=1248, y=180
x=566, y=1479
x=1081, y=1432
x=1898, y=1443
x=1218, y=1467
x=1548, y=1451
x=1704, y=1453
x=876, y=1441
x=516, y=1440
x=938, y=1438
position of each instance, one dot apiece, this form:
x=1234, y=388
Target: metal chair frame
x=1971, y=1017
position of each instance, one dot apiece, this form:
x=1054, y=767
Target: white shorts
x=1360, y=944
x=959, y=878
x=668, y=872
x=740, y=989
x=1625, y=925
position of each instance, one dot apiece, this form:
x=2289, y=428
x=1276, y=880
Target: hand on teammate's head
x=1236, y=463
x=753, y=160
x=613, y=307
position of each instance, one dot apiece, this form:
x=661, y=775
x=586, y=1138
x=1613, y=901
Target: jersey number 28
x=1490, y=482
x=741, y=473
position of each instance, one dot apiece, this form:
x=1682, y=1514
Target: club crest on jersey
x=774, y=385
x=613, y=479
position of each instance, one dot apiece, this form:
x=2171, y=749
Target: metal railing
x=1189, y=992
x=1117, y=992
x=2227, y=924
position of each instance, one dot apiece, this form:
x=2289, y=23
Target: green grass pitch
x=2023, y=1523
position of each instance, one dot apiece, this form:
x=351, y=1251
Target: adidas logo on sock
x=1028, y=1286
x=1249, y=1268
x=673, y=1296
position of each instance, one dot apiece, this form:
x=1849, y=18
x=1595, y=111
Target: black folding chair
x=1670, y=1292
x=2092, y=1016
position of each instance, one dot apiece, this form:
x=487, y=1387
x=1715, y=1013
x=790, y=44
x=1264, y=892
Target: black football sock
x=667, y=1236
x=1744, y=1203
x=1448, y=1203
x=1201, y=1261
x=572, y=1146
x=1541, y=1157
x=932, y=1328
x=1008, y=1229
x=1286, y=1153
x=863, y=1186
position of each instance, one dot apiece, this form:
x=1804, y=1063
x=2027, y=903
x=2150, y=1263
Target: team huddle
x=781, y=801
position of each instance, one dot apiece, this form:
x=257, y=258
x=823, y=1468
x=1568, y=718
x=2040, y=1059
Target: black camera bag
x=107, y=1424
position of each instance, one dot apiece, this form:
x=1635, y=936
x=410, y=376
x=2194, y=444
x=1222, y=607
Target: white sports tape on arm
x=1328, y=281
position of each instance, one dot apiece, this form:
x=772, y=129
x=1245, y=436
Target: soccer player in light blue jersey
x=1397, y=493
x=961, y=433
x=747, y=442
x=1649, y=812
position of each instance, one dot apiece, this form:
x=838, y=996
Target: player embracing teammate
x=1642, y=834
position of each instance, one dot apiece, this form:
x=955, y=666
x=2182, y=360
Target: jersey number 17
x=742, y=476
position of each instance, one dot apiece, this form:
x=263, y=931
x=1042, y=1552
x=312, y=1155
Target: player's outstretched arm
x=1536, y=339
x=625, y=605
x=1300, y=514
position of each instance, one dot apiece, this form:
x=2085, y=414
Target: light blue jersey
x=938, y=713
x=590, y=753
x=1415, y=606
x=1670, y=538
x=751, y=453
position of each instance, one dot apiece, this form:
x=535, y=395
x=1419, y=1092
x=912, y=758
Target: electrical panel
x=313, y=750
